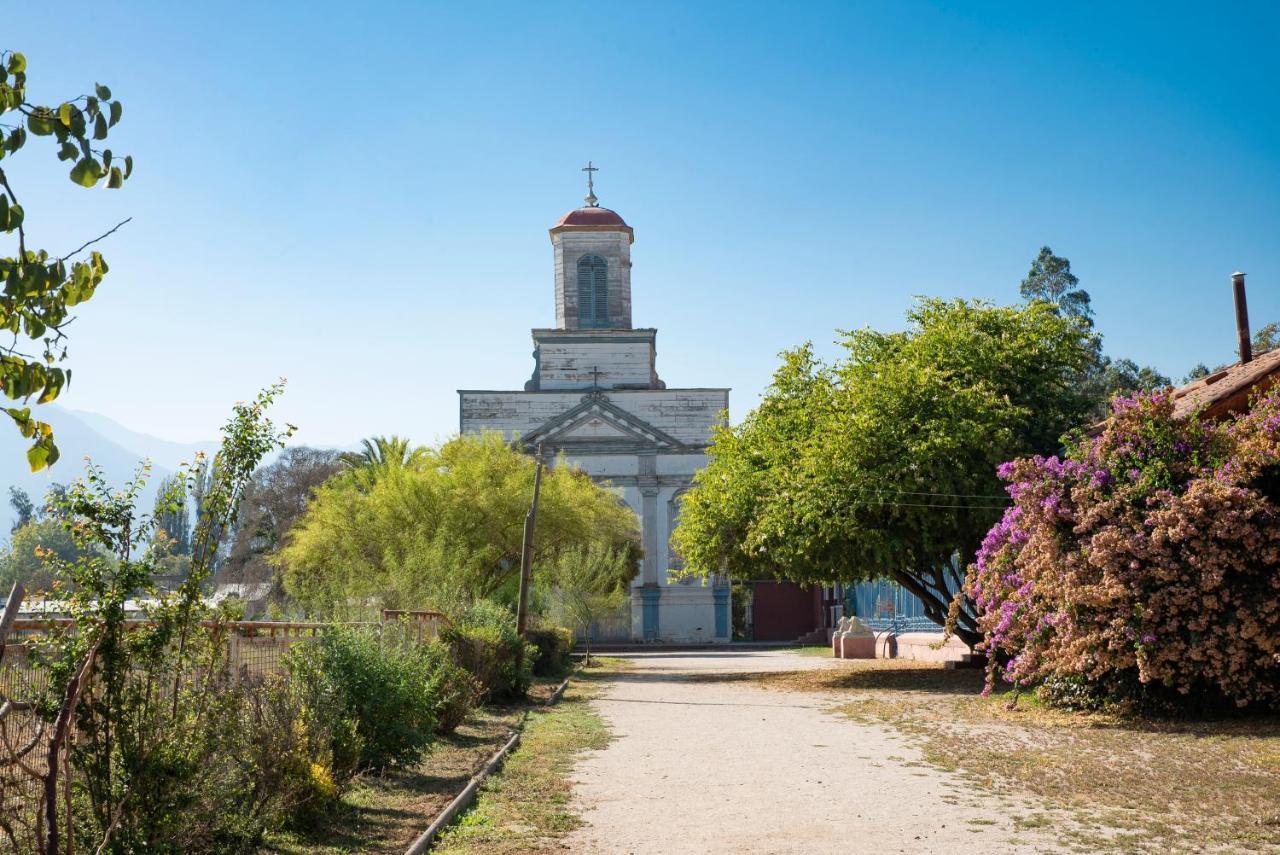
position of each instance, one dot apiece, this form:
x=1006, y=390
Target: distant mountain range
x=111, y=445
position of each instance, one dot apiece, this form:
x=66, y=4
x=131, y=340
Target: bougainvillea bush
x=1142, y=567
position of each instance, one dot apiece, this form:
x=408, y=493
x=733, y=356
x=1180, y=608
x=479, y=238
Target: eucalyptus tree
x=41, y=287
x=883, y=463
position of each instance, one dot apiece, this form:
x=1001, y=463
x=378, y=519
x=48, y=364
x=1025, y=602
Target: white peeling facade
x=595, y=395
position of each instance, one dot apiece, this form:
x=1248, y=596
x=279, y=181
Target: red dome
x=591, y=217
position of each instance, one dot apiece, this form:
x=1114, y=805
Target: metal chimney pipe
x=1242, y=318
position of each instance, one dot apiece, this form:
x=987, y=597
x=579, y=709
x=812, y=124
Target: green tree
x=24, y=510
x=172, y=519
x=883, y=464
x=41, y=288
x=1123, y=377
x=1051, y=280
x=31, y=550
x=1266, y=339
x=590, y=583
x=443, y=531
x=382, y=451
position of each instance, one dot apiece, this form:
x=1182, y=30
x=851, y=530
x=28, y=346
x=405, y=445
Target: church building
x=596, y=397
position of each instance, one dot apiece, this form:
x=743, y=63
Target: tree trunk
x=936, y=607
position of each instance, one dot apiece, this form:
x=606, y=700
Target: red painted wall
x=781, y=611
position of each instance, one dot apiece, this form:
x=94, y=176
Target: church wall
x=572, y=365
x=686, y=414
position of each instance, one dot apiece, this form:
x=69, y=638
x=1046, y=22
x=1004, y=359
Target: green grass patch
x=525, y=807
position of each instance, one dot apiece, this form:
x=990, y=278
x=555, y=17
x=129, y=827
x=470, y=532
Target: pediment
x=597, y=420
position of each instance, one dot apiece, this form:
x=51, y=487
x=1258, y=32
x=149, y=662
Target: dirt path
x=704, y=766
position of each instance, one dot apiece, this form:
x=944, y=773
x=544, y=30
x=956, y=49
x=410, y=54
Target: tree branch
x=22, y=235
x=90, y=243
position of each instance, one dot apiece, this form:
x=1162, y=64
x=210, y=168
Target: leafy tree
x=443, y=531
x=31, y=549
x=591, y=583
x=173, y=522
x=24, y=509
x=1051, y=280
x=1200, y=370
x=273, y=502
x=382, y=451
x=1123, y=377
x=1266, y=339
x=41, y=288
x=883, y=465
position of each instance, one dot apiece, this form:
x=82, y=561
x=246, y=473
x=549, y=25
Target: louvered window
x=593, y=292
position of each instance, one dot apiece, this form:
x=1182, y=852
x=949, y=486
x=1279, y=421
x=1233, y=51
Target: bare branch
x=90, y=243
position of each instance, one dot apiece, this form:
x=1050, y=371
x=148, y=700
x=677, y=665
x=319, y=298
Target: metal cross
x=591, y=187
x=595, y=377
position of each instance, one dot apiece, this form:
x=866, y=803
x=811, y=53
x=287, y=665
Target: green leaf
x=86, y=172
x=128, y=165
x=116, y=179
x=116, y=109
x=65, y=112
x=40, y=124
x=68, y=151
x=103, y=92
x=43, y=453
x=100, y=127
x=17, y=63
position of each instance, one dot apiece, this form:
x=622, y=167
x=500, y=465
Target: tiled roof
x=591, y=217
x=1229, y=389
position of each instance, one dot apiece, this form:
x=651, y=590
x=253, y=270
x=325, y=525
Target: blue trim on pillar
x=649, y=595
x=721, y=596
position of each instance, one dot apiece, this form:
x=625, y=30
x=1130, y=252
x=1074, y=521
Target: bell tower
x=592, y=248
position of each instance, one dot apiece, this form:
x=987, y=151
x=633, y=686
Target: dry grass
x=1130, y=785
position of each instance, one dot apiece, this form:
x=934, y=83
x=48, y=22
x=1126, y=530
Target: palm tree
x=382, y=451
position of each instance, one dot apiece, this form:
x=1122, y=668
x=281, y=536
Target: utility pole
x=526, y=552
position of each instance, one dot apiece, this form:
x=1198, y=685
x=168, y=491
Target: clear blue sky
x=356, y=195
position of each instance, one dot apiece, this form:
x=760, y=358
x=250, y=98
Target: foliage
x=589, y=584
x=385, y=690
x=1050, y=279
x=172, y=521
x=443, y=531
x=1266, y=339
x=275, y=499
x=24, y=510
x=882, y=465
x=1124, y=378
x=33, y=551
x=484, y=641
x=381, y=451
x=1144, y=566
x=456, y=690
x=41, y=289
x=152, y=718
x=554, y=645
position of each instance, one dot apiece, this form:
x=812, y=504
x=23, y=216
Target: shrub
x=484, y=641
x=555, y=646
x=385, y=691
x=456, y=690
x=1144, y=568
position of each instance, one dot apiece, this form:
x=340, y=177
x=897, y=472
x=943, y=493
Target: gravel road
x=700, y=766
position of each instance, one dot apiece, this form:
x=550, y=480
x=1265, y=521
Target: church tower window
x=593, y=292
